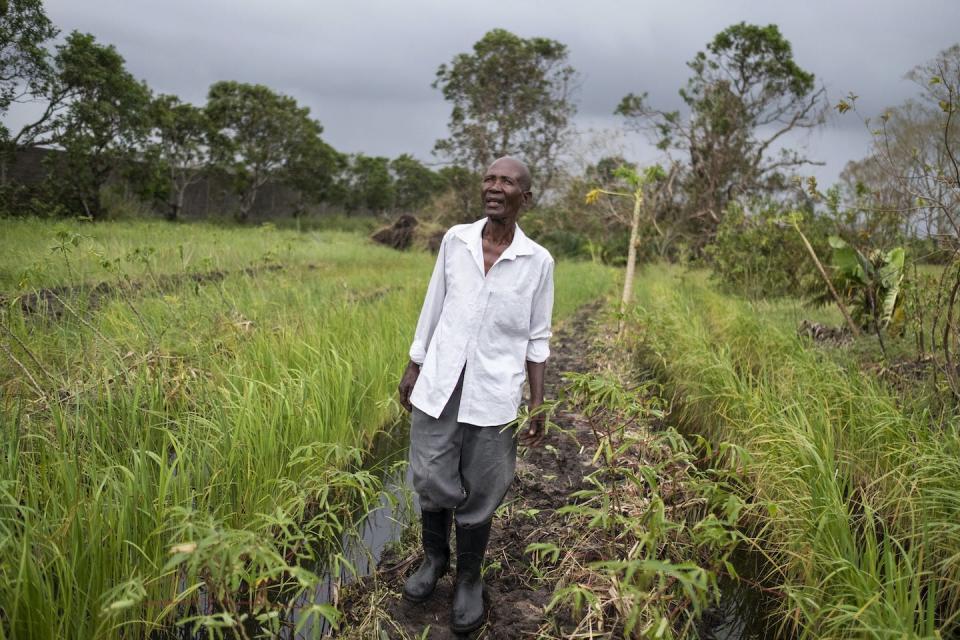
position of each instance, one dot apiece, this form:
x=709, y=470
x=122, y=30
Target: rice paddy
x=854, y=496
x=175, y=448
x=180, y=444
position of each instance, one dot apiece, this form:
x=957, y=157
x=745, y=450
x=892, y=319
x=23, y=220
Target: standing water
x=364, y=544
x=745, y=610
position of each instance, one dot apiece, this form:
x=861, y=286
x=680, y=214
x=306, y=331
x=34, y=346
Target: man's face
x=503, y=190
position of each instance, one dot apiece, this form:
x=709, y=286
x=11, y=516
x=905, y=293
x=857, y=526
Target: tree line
x=109, y=125
x=727, y=168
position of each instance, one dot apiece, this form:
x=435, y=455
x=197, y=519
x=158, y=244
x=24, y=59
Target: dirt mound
x=431, y=237
x=398, y=235
x=406, y=232
x=53, y=301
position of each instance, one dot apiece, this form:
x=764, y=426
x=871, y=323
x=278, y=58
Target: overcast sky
x=364, y=67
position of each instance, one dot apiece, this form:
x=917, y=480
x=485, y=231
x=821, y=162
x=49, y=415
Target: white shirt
x=485, y=325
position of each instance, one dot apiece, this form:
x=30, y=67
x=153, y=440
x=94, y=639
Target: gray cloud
x=365, y=67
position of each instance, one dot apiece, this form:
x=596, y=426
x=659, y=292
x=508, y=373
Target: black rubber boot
x=436, y=556
x=468, y=610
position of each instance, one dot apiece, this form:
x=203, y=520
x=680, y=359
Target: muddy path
x=55, y=301
x=516, y=596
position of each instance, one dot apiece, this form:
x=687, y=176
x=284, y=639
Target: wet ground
x=546, y=477
x=516, y=596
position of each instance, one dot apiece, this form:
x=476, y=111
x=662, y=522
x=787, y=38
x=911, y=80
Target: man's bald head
x=506, y=189
x=521, y=170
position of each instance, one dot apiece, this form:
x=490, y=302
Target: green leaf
x=892, y=270
x=847, y=261
x=544, y=550
x=627, y=174
x=891, y=276
x=837, y=242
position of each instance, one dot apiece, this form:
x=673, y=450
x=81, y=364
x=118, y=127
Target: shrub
x=757, y=256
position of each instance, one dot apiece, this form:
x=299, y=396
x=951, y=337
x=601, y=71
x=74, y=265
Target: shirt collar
x=472, y=236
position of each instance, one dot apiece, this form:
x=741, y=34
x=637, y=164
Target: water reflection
x=364, y=544
x=745, y=610
x=363, y=549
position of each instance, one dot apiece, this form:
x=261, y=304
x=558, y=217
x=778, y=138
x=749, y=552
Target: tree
x=104, y=123
x=899, y=190
x=462, y=194
x=877, y=208
x=180, y=132
x=369, y=184
x=511, y=96
x=414, y=183
x=255, y=132
x=311, y=170
x=916, y=160
x=564, y=228
x=745, y=95
x=26, y=70
x=643, y=189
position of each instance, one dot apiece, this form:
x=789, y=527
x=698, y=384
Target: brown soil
x=546, y=477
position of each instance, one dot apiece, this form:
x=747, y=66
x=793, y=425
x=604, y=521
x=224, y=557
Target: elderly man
x=485, y=320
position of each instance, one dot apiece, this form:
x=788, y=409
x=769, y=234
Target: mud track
x=50, y=301
x=516, y=597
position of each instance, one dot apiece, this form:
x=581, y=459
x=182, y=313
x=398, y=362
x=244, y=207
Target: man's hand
x=532, y=435
x=410, y=375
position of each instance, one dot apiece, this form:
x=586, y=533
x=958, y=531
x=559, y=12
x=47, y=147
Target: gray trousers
x=460, y=466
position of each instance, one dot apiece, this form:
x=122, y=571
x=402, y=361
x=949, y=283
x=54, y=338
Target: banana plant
x=872, y=281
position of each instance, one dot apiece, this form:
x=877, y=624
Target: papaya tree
x=643, y=188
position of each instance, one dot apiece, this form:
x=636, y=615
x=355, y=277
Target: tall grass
x=183, y=452
x=31, y=256
x=857, y=500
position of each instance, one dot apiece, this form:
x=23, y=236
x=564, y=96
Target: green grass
x=201, y=434
x=856, y=497
x=139, y=249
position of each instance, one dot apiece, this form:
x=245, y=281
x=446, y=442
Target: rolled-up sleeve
x=432, y=306
x=541, y=312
